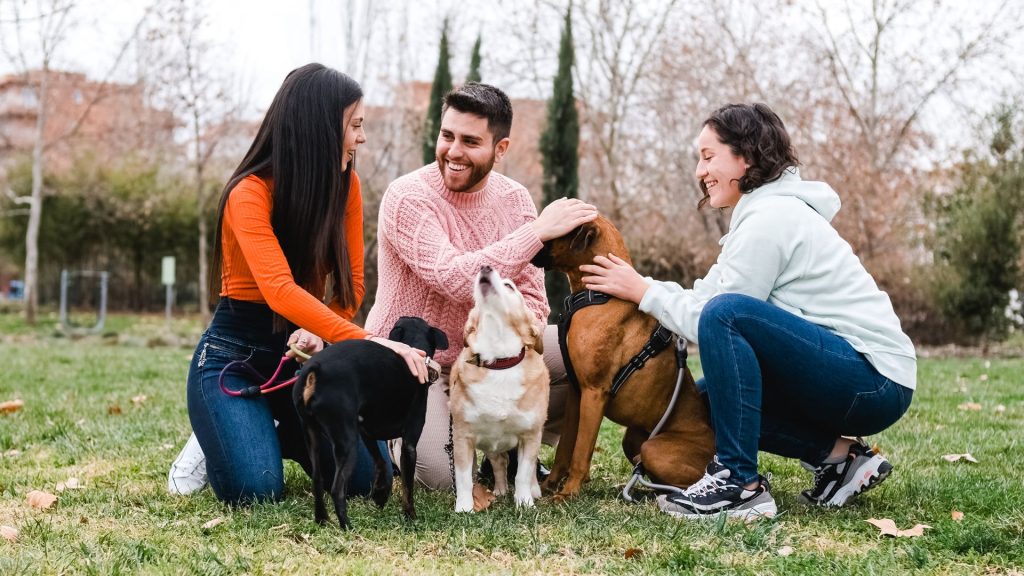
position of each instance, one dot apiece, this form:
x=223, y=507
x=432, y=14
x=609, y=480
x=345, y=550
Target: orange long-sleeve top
x=254, y=267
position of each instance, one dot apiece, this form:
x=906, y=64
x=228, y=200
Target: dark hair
x=757, y=134
x=297, y=150
x=485, y=101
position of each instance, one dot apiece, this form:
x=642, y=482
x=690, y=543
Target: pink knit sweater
x=432, y=243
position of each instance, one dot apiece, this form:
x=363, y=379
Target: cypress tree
x=474, y=62
x=442, y=85
x=559, y=150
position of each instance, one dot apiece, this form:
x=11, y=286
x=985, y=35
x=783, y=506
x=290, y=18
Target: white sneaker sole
x=757, y=512
x=865, y=477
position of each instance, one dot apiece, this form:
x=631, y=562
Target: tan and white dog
x=499, y=391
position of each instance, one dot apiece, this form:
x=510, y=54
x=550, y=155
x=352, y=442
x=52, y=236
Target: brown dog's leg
x=667, y=460
x=499, y=465
x=566, y=443
x=632, y=441
x=592, y=404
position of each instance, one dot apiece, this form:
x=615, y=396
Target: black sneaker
x=835, y=484
x=716, y=493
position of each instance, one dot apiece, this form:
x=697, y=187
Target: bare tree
x=48, y=22
x=184, y=70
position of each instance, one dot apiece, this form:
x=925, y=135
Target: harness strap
x=574, y=302
x=660, y=338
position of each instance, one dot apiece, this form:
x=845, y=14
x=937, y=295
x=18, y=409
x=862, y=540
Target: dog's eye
x=509, y=286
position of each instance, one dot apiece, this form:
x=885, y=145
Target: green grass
x=123, y=521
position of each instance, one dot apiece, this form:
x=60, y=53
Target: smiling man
x=439, y=225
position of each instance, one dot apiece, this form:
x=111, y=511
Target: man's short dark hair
x=485, y=101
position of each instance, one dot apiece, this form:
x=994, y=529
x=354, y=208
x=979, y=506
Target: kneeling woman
x=799, y=346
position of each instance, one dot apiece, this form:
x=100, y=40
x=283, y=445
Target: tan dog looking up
x=499, y=391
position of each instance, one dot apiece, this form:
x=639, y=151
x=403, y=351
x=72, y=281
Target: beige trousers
x=433, y=453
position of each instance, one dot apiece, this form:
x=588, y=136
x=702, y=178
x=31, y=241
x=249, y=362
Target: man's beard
x=476, y=175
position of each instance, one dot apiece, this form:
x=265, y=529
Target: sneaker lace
x=706, y=485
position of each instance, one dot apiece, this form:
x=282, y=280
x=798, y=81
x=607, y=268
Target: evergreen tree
x=978, y=238
x=442, y=85
x=474, y=62
x=559, y=150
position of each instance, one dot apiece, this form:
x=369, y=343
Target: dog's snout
x=486, y=269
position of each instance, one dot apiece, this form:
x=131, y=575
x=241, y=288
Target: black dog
x=358, y=388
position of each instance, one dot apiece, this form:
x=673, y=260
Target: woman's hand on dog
x=561, y=217
x=615, y=277
x=305, y=341
x=414, y=357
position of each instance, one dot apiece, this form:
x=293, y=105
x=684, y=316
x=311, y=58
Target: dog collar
x=500, y=363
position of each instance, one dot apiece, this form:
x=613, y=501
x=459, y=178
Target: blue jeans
x=777, y=382
x=243, y=448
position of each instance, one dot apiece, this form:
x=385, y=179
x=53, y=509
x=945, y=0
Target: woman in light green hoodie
x=799, y=346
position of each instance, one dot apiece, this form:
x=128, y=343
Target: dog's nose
x=485, y=269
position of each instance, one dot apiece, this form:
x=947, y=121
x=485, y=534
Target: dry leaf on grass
x=213, y=523
x=9, y=533
x=785, y=551
x=632, y=553
x=956, y=457
x=69, y=484
x=11, y=406
x=114, y=409
x=983, y=377
x=956, y=515
x=278, y=527
x=1000, y=408
x=138, y=400
x=888, y=528
x=973, y=406
x=40, y=500
x=482, y=498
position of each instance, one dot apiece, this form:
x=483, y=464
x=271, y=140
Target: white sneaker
x=188, y=472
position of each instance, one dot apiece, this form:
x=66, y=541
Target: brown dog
x=601, y=340
x=499, y=391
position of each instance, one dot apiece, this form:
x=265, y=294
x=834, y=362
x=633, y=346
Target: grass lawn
x=80, y=420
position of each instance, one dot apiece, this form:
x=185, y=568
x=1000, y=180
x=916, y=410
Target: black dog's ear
x=396, y=333
x=440, y=339
x=585, y=236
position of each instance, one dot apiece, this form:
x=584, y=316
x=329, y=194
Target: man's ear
x=501, y=148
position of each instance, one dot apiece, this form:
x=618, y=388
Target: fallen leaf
x=956, y=457
x=138, y=400
x=482, y=498
x=114, y=409
x=970, y=406
x=876, y=449
x=956, y=515
x=632, y=553
x=983, y=377
x=1000, y=408
x=278, y=527
x=12, y=453
x=166, y=446
x=40, y=500
x=888, y=528
x=9, y=533
x=83, y=520
x=213, y=523
x=11, y=406
x=785, y=551
x=69, y=484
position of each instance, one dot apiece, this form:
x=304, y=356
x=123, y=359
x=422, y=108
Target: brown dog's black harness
x=660, y=339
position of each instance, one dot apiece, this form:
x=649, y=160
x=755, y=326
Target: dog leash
x=267, y=387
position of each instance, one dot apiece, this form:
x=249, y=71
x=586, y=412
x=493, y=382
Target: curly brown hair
x=755, y=133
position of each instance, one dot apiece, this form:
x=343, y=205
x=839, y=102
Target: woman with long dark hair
x=800, y=348
x=289, y=226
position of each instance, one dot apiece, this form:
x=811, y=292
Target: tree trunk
x=204, y=272
x=35, y=214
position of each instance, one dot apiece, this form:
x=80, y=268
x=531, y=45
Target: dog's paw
x=524, y=500
x=561, y=498
x=461, y=506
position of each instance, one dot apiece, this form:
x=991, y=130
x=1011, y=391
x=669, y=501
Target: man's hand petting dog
x=414, y=357
x=562, y=216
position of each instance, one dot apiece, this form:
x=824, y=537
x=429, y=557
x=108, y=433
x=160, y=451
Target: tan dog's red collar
x=500, y=363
